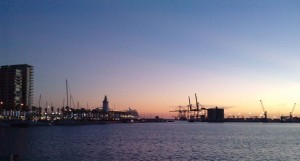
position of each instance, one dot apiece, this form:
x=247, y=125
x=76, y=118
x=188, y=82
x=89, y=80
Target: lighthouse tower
x=105, y=105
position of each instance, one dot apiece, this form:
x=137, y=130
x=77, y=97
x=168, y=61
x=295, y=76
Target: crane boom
x=293, y=108
x=291, y=113
x=262, y=106
x=197, y=104
x=190, y=105
x=265, y=112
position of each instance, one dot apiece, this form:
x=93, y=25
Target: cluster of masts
x=70, y=100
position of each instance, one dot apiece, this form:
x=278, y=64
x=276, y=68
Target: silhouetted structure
x=105, y=105
x=265, y=119
x=16, y=86
x=215, y=115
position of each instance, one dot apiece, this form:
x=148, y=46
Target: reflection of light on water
x=153, y=141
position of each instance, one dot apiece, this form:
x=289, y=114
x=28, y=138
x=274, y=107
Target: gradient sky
x=153, y=54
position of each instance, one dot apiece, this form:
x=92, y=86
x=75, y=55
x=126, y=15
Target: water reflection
x=154, y=141
x=13, y=141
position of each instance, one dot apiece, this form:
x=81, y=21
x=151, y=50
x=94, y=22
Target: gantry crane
x=265, y=112
x=199, y=113
x=182, y=111
x=185, y=112
x=291, y=113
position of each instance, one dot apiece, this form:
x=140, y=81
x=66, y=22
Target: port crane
x=290, y=117
x=265, y=112
x=191, y=108
x=197, y=110
x=182, y=112
x=291, y=113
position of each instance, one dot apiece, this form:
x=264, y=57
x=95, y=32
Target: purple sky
x=150, y=55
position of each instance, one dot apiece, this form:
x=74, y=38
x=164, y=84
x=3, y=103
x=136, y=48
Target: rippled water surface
x=154, y=141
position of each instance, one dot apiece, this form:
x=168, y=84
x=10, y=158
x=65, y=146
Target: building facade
x=16, y=86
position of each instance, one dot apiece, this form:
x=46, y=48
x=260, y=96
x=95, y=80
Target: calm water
x=154, y=141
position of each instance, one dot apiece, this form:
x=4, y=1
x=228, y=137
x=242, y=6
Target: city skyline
x=152, y=55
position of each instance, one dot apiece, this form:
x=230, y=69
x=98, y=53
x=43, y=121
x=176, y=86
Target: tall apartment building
x=16, y=86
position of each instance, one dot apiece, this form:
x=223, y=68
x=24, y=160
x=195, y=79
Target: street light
x=21, y=106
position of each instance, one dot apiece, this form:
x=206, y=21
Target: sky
x=151, y=55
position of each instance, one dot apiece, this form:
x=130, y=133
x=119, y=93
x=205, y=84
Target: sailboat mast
x=67, y=93
x=70, y=99
x=40, y=100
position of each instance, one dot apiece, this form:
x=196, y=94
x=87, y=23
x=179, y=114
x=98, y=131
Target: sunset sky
x=151, y=55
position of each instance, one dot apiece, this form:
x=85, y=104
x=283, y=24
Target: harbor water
x=153, y=141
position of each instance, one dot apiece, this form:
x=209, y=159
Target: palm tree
x=25, y=111
x=82, y=112
x=67, y=111
x=52, y=109
x=33, y=108
x=16, y=110
x=34, y=112
x=40, y=112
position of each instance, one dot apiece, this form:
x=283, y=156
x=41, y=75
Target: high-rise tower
x=16, y=86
